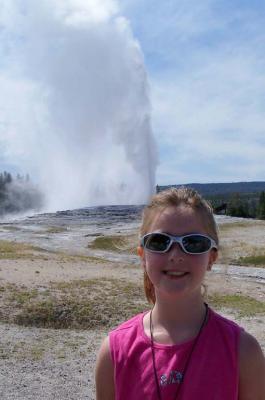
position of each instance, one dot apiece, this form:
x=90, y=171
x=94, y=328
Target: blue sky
x=205, y=64
x=206, y=68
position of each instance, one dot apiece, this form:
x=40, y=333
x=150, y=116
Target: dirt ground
x=38, y=363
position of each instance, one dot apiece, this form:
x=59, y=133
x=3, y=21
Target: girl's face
x=175, y=272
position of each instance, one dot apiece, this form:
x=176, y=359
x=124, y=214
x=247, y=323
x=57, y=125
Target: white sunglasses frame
x=178, y=239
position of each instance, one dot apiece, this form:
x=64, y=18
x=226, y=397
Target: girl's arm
x=104, y=373
x=252, y=369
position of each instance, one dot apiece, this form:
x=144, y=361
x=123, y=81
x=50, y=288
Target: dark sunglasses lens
x=196, y=244
x=157, y=242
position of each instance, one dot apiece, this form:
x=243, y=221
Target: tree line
x=239, y=199
x=18, y=194
x=251, y=205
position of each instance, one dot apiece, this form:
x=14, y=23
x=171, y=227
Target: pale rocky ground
x=48, y=364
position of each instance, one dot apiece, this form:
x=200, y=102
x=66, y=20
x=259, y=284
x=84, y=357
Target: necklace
x=188, y=358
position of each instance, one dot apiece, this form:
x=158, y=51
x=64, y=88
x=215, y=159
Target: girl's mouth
x=175, y=274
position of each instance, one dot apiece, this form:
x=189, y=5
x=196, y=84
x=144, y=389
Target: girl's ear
x=140, y=251
x=213, y=257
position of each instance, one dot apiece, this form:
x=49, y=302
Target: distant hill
x=213, y=189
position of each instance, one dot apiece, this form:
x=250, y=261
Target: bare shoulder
x=104, y=373
x=252, y=369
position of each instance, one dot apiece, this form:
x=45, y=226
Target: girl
x=181, y=349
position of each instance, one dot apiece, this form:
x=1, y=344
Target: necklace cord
x=189, y=356
x=153, y=357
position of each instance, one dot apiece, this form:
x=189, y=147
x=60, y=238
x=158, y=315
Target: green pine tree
x=261, y=207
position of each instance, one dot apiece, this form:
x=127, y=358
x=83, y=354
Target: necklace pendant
x=173, y=377
x=179, y=377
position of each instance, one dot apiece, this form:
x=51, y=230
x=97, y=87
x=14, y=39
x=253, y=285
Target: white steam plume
x=74, y=104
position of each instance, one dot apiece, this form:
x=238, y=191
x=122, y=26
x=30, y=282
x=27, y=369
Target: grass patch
x=81, y=304
x=246, y=224
x=11, y=228
x=14, y=250
x=22, y=350
x=226, y=226
x=115, y=243
x=36, y=353
x=22, y=296
x=76, y=284
x=38, y=347
x=241, y=253
x=56, y=229
x=256, y=260
x=79, y=257
x=245, y=306
x=94, y=303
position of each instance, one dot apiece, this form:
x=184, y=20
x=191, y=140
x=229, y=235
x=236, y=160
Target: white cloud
x=206, y=62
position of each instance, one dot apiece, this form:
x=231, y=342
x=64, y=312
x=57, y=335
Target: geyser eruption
x=74, y=102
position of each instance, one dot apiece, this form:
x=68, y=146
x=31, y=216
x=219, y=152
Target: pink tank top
x=213, y=371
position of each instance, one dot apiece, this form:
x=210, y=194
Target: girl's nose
x=176, y=253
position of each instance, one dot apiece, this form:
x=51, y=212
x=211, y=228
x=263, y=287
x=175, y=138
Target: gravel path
x=47, y=364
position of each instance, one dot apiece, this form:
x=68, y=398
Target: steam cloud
x=74, y=102
x=20, y=196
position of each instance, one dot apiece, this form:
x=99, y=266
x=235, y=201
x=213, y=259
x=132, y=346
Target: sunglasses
x=194, y=243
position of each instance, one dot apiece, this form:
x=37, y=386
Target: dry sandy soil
x=45, y=363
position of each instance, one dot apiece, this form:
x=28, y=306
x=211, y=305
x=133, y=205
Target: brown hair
x=176, y=197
